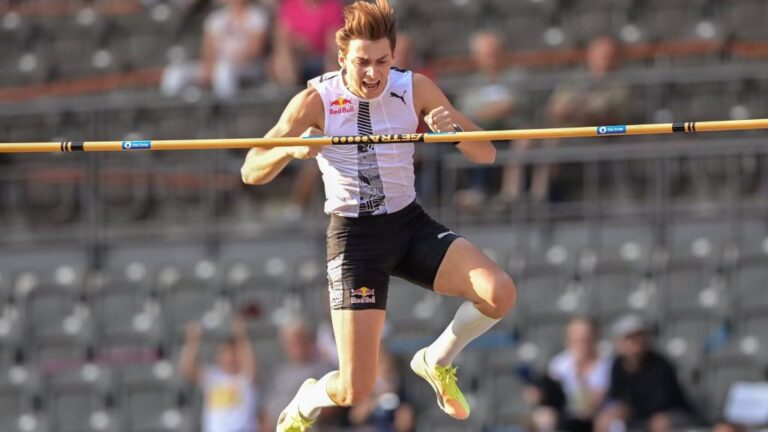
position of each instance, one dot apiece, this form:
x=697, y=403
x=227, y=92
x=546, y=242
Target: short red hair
x=367, y=21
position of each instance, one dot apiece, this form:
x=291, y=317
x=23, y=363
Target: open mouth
x=371, y=85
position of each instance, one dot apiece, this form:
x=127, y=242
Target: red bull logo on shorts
x=362, y=295
x=341, y=105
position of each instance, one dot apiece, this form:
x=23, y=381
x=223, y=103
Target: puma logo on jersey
x=402, y=98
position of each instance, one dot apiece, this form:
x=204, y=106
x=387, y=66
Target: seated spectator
x=644, y=392
x=305, y=39
x=230, y=395
x=233, y=52
x=489, y=100
x=386, y=409
x=599, y=98
x=583, y=376
x=302, y=362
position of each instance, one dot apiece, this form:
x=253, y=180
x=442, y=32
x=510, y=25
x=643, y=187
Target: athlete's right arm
x=303, y=115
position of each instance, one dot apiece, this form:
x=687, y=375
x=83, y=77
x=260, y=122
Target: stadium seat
x=692, y=285
x=71, y=407
x=686, y=337
x=507, y=390
x=12, y=401
x=719, y=374
x=617, y=288
x=186, y=302
x=150, y=406
x=548, y=290
x=121, y=310
x=54, y=312
x=748, y=283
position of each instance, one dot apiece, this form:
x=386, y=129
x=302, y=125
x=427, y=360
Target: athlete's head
x=366, y=46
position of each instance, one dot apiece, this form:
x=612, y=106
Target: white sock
x=316, y=398
x=467, y=325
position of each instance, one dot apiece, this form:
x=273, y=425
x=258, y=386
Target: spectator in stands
x=489, y=100
x=408, y=57
x=644, y=392
x=304, y=39
x=600, y=98
x=230, y=394
x=386, y=409
x=232, y=55
x=303, y=361
x=583, y=376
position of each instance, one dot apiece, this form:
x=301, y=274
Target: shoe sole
x=415, y=367
x=281, y=417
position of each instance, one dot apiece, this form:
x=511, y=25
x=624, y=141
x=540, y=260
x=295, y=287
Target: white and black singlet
x=377, y=229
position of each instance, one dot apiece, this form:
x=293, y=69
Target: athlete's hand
x=440, y=120
x=306, y=152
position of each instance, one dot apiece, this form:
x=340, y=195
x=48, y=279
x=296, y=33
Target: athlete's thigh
x=467, y=272
x=358, y=337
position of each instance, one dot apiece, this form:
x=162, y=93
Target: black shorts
x=364, y=252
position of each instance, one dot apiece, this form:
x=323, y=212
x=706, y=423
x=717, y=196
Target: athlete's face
x=367, y=65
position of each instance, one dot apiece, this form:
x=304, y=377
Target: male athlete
x=377, y=229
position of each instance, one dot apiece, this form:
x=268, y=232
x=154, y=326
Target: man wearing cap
x=644, y=392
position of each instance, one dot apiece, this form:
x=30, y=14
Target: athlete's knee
x=503, y=293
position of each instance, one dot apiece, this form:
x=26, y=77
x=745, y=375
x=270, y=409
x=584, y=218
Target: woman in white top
x=584, y=376
x=377, y=229
x=234, y=46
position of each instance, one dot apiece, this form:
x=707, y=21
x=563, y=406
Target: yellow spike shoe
x=290, y=419
x=443, y=382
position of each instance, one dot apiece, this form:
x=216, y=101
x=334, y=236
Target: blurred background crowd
x=152, y=291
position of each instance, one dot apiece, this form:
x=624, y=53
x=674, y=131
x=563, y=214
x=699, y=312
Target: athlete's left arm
x=440, y=115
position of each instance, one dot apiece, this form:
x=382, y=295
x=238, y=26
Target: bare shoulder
x=422, y=83
x=305, y=108
x=308, y=99
x=427, y=95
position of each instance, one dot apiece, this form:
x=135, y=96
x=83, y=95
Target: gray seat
x=616, y=288
x=53, y=352
x=507, y=390
x=748, y=283
x=186, y=302
x=149, y=407
x=13, y=403
x=71, y=407
x=115, y=309
x=720, y=375
x=686, y=337
x=546, y=290
x=46, y=311
x=629, y=242
x=688, y=285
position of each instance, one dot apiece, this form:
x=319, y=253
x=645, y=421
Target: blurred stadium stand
x=103, y=257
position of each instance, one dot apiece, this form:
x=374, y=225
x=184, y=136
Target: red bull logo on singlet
x=341, y=105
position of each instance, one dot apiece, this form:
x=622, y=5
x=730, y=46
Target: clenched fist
x=440, y=120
